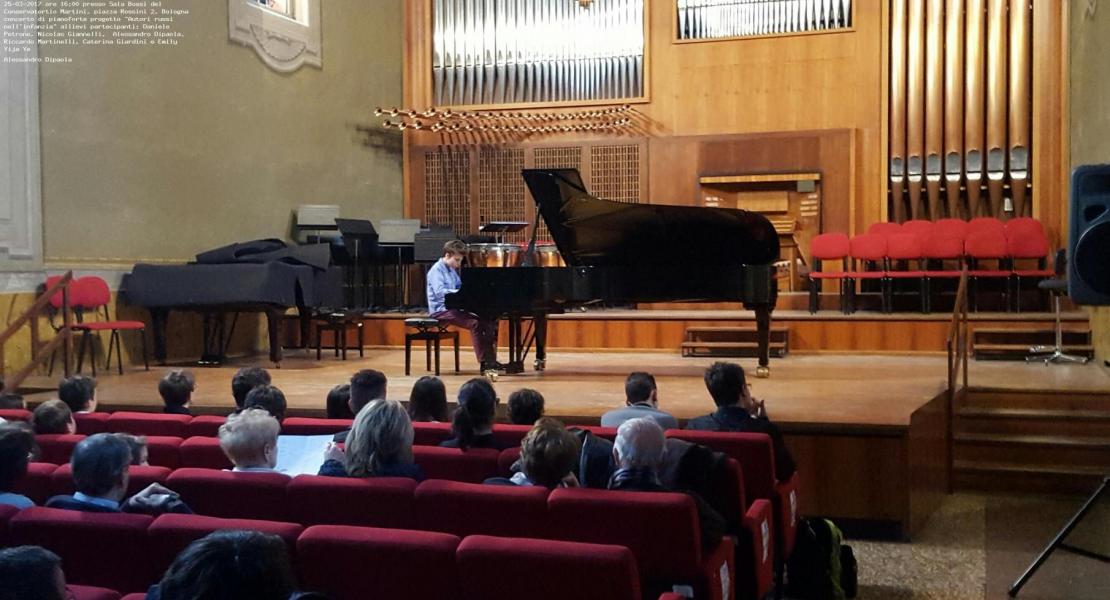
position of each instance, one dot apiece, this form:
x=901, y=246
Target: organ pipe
x=1020, y=102
x=934, y=102
x=996, y=102
x=898, y=109
x=915, y=103
x=953, y=104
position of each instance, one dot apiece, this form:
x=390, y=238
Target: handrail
x=957, y=344
x=31, y=315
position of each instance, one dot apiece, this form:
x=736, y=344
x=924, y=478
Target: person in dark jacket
x=379, y=445
x=472, y=424
x=738, y=411
x=31, y=572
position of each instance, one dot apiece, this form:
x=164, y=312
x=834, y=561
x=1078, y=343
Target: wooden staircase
x=988, y=343
x=733, y=342
x=1038, y=441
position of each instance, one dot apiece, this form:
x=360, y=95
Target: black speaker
x=1089, y=239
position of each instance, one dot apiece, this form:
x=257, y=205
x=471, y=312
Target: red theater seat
x=90, y=423
x=36, y=484
x=61, y=482
x=430, y=434
x=204, y=425
x=346, y=563
x=370, y=502
x=474, y=465
x=510, y=435
x=308, y=426
x=498, y=568
x=825, y=247
x=641, y=521
x=86, y=592
x=82, y=541
x=138, y=423
x=609, y=433
x=15, y=414
x=464, y=509
x=56, y=447
x=170, y=534
x=204, y=453
x=755, y=561
x=232, y=495
x=505, y=461
x=7, y=511
x=164, y=451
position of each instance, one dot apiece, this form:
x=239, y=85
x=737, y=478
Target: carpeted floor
x=976, y=546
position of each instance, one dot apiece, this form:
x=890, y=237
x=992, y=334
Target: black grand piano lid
x=590, y=231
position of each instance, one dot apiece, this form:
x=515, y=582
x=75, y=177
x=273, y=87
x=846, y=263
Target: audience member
x=525, y=406
x=53, y=416
x=642, y=400
x=638, y=452
x=548, y=456
x=31, y=573
x=249, y=439
x=379, y=445
x=428, y=400
x=16, y=444
x=245, y=380
x=79, y=393
x=338, y=402
x=472, y=424
x=229, y=565
x=268, y=398
x=136, y=444
x=10, y=401
x=366, y=386
x=99, y=463
x=738, y=411
x=176, y=389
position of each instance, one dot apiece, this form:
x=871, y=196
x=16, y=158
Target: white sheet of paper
x=301, y=454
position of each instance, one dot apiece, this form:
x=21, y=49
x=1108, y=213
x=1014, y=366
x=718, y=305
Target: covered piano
x=625, y=253
x=260, y=276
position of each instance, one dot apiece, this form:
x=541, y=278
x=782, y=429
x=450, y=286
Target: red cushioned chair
x=609, y=433
x=464, y=509
x=353, y=563
x=7, y=511
x=61, y=480
x=503, y=568
x=232, y=495
x=90, y=423
x=956, y=228
x=1019, y=225
x=986, y=244
x=824, y=247
x=868, y=258
x=37, y=483
x=368, y=502
x=752, y=522
x=138, y=423
x=510, y=435
x=56, y=447
x=904, y=256
x=944, y=260
x=885, y=228
x=474, y=465
x=172, y=533
x=919, y=227
x=92, y=293
x=205, y=425
x=164, y=450
x=980, y=224
x=660, y=528
x=430, y=434
x=88, y=592
x=1028, y=249
x=15, y=414
x=203, y=453
x=310, y=426
x=81, y=539
x=505, y=461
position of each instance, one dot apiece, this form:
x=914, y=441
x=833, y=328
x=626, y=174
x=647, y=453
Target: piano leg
x=158, y=318
x=273, y=328
x=540, y=323
x=763, y=334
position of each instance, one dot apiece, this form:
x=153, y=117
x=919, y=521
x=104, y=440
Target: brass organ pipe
x=934, y=102
x=898, y=109
x=953, y=103
x=996, y=102
x=915, y=103
x=973, y=106
x=1020, y=73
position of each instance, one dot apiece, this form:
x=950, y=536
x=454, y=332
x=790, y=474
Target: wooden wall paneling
x=928, y=461
x=1050, y=118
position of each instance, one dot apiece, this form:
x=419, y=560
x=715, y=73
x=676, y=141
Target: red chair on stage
x=956, y=228
x=903, y=249
x=825, y=247
x=919, y=227
x=979, y=224
x=885, y=228
x=1025, y=244
x=868, y=259
x=1018, y=225
x=92, y=293
x=987, y=243
x=944, y=260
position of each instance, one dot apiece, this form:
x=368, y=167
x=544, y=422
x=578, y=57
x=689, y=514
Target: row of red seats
x=344, y=562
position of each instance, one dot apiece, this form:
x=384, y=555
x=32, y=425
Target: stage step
x=1028, y=421
x=732, y=341
x=1009, y=477
x=1033, y=399
x=991, y=343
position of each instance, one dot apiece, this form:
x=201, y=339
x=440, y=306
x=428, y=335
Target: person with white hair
x=249, y=439
x=638, y=452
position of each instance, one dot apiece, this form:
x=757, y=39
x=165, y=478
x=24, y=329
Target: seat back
x=56, y=299
x=545, y=568
x=56, y=447
x=979, y=224
x=464, y=509
x=91, y=292
x=868, y=246
x=985, y=243
x=942, y=246
x=232, y=495
x=37, y=484
x=138, y=423
x=15, y=414
x=370, y=502
x=204, y=425
x=7, y=511
x=754, y=452
x=169, y=534
x=1027, y=244
x=903, y=246
x=61, y=480
x=430, y=434
x=919, y=227
x=90, y=423
x=1019, y=225
x=353, y=563
x=81, y=539
x=885, y=228
x=203, y=452
x=829, y=246
x=310, y=426
x=956, y=228
x=474, y=465
x=510, y=435
x=505, y=461
x=636, y=520
x=164, y=450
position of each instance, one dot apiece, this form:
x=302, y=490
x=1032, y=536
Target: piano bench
x=431, y=331
x=338, y=324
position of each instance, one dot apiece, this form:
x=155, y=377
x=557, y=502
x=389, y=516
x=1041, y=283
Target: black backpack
x=821, y=567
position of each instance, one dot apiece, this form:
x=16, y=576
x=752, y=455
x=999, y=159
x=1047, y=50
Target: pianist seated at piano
x=443, y=279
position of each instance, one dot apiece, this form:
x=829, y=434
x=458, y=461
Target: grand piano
x=260, y=276
x=625, y=253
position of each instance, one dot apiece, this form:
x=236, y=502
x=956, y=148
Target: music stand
x=1058, y=541
x=500, y=228
x=360, y=239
